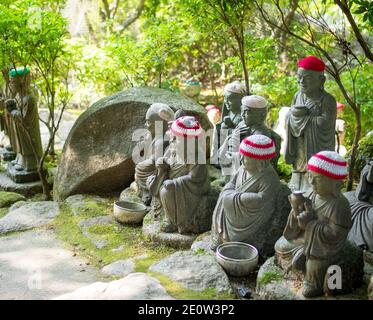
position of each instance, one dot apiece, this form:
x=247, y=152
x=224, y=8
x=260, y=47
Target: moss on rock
x=9, y=198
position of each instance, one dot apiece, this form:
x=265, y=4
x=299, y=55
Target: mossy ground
x=8, y=198
x=123, y=242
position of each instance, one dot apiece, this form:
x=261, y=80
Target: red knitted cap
x=312, y=63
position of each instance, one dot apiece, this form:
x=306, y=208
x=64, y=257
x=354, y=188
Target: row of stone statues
x=254, y=205
x=20, y=121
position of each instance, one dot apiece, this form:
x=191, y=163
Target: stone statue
x=361, y=202
x=7, y=125
x=316, y=234
x=253, y=113
x=157, y=116
x=248, y=203
x=23, y=126
x=181, y=184
x=310, y=123
x=230, y=113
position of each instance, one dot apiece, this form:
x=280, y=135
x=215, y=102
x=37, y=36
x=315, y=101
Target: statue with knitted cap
x=253, y=113
x=249, y=202
x=361, y=202
x=26, y=140
x=230, y=113
x=310, y=123
x=181, y=183
x=316, y=235
x=156, y=122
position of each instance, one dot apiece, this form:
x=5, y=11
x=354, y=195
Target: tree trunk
x=354, y=149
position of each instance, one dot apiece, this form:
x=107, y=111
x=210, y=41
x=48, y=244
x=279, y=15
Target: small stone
x=27, y=189
x=136, y=286
x=29, y=215
x=203, y=244
x=81, y=203
x=100, y=220
x=120, y=268
x=196, y=272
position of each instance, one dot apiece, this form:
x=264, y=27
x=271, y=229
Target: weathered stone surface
x=370, y=289
x=274, y=284
x=136, y=286
x=28, y=215
x=193, y=271
x=36, y=265
x=8, y=198
x=176, y=240
x=86, y=224
x=120, y=268
x=26, y=189
x=81, y=203
x=271, y=285
x=203, y=244
x=97, y=155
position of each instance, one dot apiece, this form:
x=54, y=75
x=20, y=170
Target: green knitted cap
x=19, y=71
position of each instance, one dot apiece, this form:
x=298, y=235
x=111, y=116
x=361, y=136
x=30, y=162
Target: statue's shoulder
x=329, y=100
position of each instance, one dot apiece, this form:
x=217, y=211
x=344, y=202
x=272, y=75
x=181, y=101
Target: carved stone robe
x=245, y=206
x=361, y=202
x=312, y=133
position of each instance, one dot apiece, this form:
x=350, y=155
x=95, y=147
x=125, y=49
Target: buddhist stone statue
x=249, y=203
x=230, y=114
x=317, y=228
x=310, y=123
x=253, y=113
x=23, y=127
x=361, y=202
x=181, y=184
x=156, y=122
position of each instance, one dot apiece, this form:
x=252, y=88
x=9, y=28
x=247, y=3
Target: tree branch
x=364, y=45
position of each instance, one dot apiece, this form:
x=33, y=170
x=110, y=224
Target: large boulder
x=97, y=155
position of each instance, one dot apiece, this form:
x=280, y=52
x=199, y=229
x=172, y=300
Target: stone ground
x=36, y=265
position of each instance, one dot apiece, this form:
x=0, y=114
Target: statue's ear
x=323, y=79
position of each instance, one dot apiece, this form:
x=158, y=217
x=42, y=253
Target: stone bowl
x=238, y=259
x=128, y=212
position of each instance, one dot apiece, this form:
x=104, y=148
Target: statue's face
x=232, y=101
x=253, y=116
x=322, y=185
x=151, y=121
x=310, y=81
x=254, y=165
x=19, y=83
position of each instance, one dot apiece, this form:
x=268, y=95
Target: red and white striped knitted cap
x=330, y=164
x=258, y=146
x=186, y=126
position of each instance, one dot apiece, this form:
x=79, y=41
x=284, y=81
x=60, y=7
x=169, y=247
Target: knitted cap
x=330, y=164
x=258, y=146
x=186, y=126
x=312, y=63
x=236, y=87
x=19, y=71
x=340, y=106
x=254, y=102
x=163, y=111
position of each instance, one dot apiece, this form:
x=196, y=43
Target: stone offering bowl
x=238, y=259
x=128, y=212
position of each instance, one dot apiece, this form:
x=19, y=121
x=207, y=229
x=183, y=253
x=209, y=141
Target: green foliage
x=365, y=152
x=270, y=276
x=283, y=169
